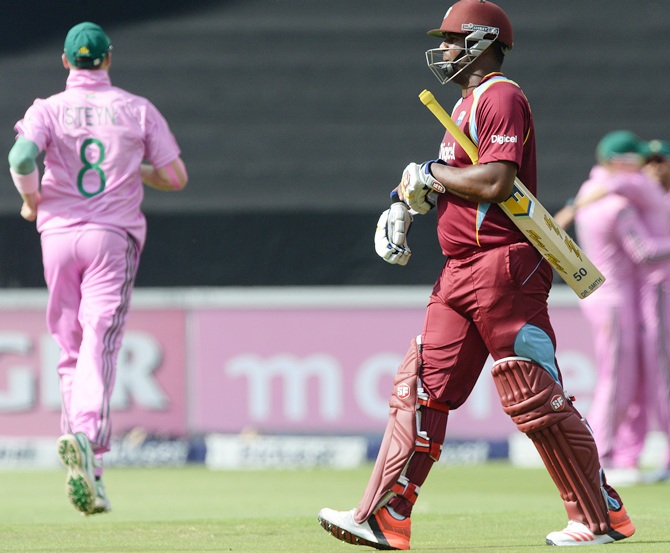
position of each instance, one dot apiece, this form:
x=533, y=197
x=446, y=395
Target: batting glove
x=391, y=234
x=417, y=182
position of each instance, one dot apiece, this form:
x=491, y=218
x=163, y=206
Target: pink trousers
x=656, y=351
x=618, y=414
x=90, y=274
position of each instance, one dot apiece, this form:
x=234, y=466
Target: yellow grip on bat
x=443, y=117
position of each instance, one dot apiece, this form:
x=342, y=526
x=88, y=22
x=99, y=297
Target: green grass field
x=491, y=508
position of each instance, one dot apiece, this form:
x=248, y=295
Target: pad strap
x=425, y=445
x=430, y=403
x=406, y=489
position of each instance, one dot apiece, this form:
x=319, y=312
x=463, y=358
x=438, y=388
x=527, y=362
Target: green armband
x=22, y=156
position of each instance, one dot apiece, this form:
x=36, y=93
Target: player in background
x=100, y=144
x=656, y=308
x=613, y=231
x=490, y=298
x=655, y=299
x=657, y=164
x=622, y=222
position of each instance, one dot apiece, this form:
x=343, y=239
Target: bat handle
x=449, y=124
x=426, y=97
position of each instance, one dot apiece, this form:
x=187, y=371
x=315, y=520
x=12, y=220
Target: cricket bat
x=536, y=223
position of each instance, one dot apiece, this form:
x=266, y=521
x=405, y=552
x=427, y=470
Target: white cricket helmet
x=482, y=23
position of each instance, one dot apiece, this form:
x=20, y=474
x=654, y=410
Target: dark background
x=296, y=117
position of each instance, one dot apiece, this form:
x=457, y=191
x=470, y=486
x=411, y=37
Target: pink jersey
x=497, y=117
x=96, y=135
x=599, y=233
x=626, y=233
x=652, y=245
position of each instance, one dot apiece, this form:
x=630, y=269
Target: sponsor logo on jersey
x=447, y=152
x=503, y=138
x=557, y=402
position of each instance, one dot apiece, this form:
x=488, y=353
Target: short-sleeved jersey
x=626, y=233
x=496, y=116
x=95, y=137
x=601, y=229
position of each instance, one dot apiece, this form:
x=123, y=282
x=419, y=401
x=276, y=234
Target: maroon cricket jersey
x=496, y=116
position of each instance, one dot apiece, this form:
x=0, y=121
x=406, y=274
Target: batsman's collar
x=620, y=145
x=86, y=45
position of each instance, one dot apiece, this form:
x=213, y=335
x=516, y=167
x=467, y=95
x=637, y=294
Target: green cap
x=620, y=145
x=658, y=149
x=86, y=45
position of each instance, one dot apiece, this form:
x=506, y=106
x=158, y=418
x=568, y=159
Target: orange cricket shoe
x=621, y=524
x=380, y=531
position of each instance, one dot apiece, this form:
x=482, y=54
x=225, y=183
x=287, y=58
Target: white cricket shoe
x=380, y=531
x=84, y=492
x=101, y=503
x=575, y=533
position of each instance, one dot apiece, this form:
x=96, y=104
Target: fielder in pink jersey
x=101, y=144
x=490, y=299
x=623, y=224
x=614, y=231
x=656, y=308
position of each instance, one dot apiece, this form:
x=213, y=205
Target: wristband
x=26, y=184
x=429, y=163
x=174, y=178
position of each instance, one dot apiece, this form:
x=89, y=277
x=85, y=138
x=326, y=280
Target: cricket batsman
x=490, y=299
x=100, y=144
